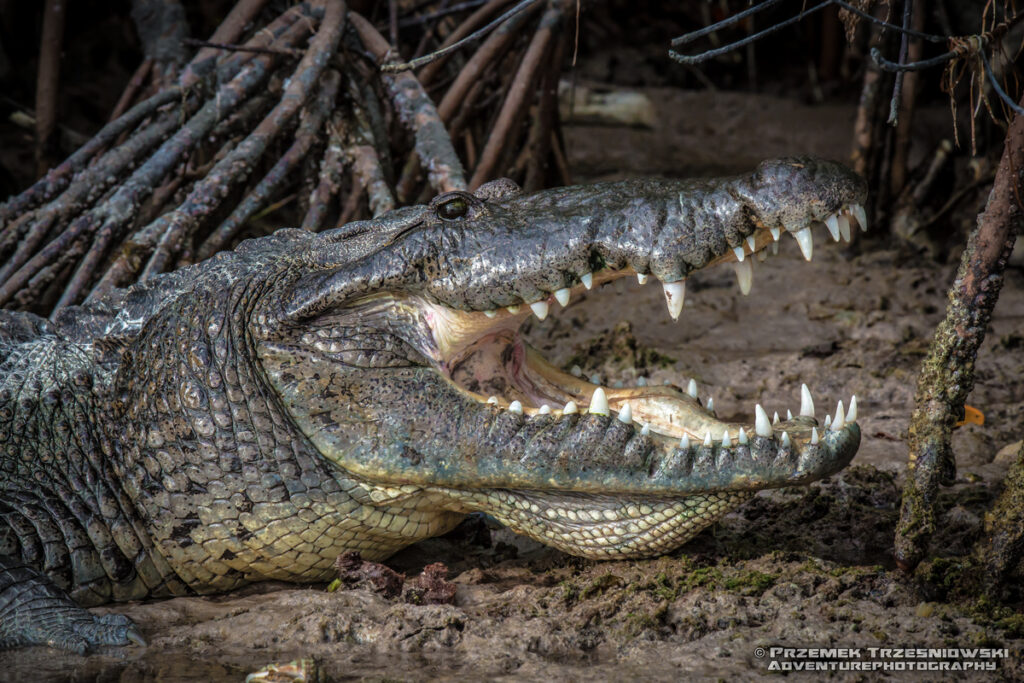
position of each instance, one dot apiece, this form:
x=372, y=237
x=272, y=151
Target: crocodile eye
x=456, y=207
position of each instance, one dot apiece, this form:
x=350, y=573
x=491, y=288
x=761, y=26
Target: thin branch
x=476, y=35
x=231, y=47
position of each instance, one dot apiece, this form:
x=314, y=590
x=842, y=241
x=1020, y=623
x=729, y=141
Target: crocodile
x=252, y=416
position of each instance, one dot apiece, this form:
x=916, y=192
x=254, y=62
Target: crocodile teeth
x=540, y=309
x=726, y=441
x=806, y=402
x=710, y=405
x=844, y=227
x=691, y=388
x=784, y=440
x=515, y=407
x=740, y=254
x=751, y=243
x=775, y=248
x=775, y=419
x=562, y=296
x=645, y=430
x=595, y=378
x=587, y=280
x=675, y=292
x=832, y=223
x=626, y=414
x=814, y=436
x=641, y=381
x=641, y=278
x=776, y=233
x=493, y=399
x=512, y=309
x=544, y=409
x=570, y=408
x=598, y=403
x=851, y=414
x=789, y=415
x=744, y=275
x=806, y=241
x=490, y=314
x=684, y=442
x=707, y=438
x=761, y=425
x=858, y=212
x=840, y=419
x=742, y=438
x=827, y=422
x=576, y=371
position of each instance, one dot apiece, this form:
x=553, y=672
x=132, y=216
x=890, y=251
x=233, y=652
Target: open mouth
x=484, y=355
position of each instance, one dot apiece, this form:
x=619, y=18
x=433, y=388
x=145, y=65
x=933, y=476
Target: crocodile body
x=255, y=415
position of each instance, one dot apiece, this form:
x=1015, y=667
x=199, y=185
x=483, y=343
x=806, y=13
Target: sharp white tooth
x=540, y=309
x=761, y=425
x=789, y=414
x=740, y=254
x=595, y=378
x=751, y=243
x=785, y=439
x=675, y=292
x=598, y=403
x=515, y=407
x=775, y=248
x=562, y=296
x=744, y=275
x=832, y=223
x=858, y=212
x=576, y=371
x=776, y=233
x=844, y=227
x=645, y=430
x=626, y=414
x=641, y=278
x=806, y=402
x=493, y=399
x=691, y=388
x=775, y=418
x=840, y=419
x=828, y=422
x=684, y=442
x=711, y=405
x=814, y=436
x=641, y=381
x=512, y=309
x=762, y=256
x=544, y=409
x=570, y=408
x=742, y=438
x=851, y=414
x=587, y=280
x=726, y=441
x=707, y=438
x=806, y=241
x=490, y=314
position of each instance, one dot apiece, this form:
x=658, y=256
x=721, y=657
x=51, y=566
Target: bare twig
x=132, y=89
x=476, y=35
x=471, y=23
x=241, y=14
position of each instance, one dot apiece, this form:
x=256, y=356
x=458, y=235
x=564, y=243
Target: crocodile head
x=395, y=346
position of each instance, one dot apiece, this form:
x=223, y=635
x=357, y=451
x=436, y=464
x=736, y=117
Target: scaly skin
x=255, y=415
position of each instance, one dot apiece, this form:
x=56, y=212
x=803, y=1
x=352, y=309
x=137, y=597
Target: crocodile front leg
x=34, y=611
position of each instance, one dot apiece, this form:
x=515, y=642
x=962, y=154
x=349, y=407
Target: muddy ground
x=796, y=567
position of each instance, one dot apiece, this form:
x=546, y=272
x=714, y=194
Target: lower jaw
x=601, y=527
